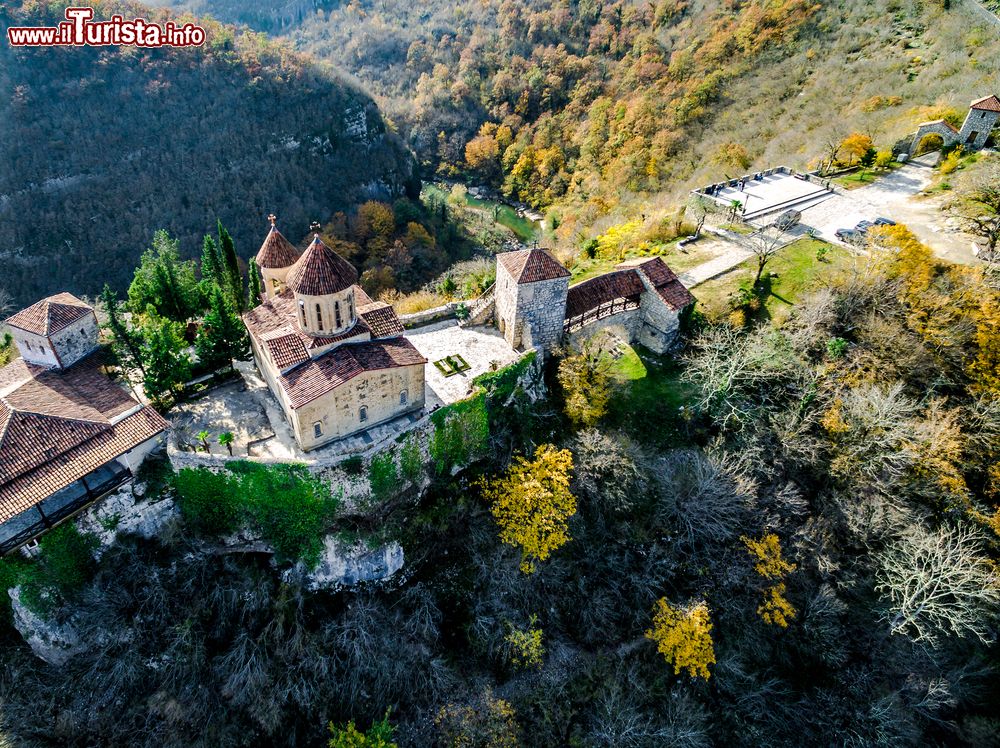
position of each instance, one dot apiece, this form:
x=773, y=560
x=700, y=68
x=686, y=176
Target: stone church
x=335, y=360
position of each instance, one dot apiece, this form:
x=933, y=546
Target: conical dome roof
x=320, y=271
x=276, y=252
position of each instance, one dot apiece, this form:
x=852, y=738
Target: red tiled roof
x=381, y=319
x=285, y=348
x=50, y=315
x=276, y=251
x=321, y=375
x=58, y=425
x=361, y=298
x=988, y=103
x=532, y=265
x=664, y=280
x=603, y=289
x=320, y=271
x=32, y=487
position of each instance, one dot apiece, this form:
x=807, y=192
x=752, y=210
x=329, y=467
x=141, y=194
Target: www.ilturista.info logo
x=79, y=31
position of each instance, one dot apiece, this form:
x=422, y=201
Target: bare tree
x=939, y=584
x=978, y=209
x=765, y=244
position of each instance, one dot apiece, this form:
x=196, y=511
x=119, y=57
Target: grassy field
x=794, y=270
x=678, y=260
x=650, y=398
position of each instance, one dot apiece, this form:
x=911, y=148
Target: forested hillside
x=103, y=146
x=600, y=104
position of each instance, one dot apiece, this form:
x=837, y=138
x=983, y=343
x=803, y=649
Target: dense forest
x=602, y=110
x=788, y=537
x=103, y=146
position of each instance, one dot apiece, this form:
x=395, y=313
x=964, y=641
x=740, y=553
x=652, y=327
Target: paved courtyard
x=483, y=348
x=894, y=196
x=248, y=410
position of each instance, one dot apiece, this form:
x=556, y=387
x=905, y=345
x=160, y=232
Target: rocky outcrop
x=127, y=511
x=53, y=642
x=345, y=566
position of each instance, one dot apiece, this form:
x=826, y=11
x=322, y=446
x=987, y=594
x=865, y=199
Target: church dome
x=320, y=271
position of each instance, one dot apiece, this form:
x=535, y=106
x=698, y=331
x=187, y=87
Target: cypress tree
x=222, y=336
x=124, y=343
x=255, y=291
x=231, y=266
x=211, y=262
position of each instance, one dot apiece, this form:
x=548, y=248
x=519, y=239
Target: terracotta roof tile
x=590, y=294
x=33, y=486
x=285, y=348
x=320, y=271
x=532, y=265
x=988, y=103
x=58, y=425
x=276, y=251
x=50, y=315
x=321, y=375
x=381, y=319
x=663, y=280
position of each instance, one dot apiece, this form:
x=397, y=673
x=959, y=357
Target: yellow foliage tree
x=684, y=637
x=769, y=563
x=856, y=145
x=532, y=504
x=585, y=379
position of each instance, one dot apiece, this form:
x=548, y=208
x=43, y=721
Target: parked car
x=863, y=226
x=788, y=220
x=884, y=222
x=850, y=236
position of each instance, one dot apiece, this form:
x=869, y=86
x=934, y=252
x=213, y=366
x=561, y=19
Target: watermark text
x=80, y=30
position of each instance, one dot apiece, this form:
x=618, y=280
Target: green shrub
x=383, y=476
x=461, y=431
x=836, y=348
x=353, y=465
x=64, y=565
x=290, y=508
x=411, y=462
x=208, y=500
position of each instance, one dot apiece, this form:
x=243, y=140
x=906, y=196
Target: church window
x=302, y=312
x=403, y=396
x=336, y=311
x=363, y=413
x=319, y=317
x=317, y=429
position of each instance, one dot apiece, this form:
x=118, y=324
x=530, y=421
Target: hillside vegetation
x=103, y=146
x=608, y=110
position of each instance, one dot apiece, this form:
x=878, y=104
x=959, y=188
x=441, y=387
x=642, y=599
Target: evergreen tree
x=166, y=363
x=125, y=343
x=231, y=268
x=255, y=292
x=222, y=336
x=211, y=263
x=164, y=281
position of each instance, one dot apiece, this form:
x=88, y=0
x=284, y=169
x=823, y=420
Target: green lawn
x=649, y=398
x=793, y=270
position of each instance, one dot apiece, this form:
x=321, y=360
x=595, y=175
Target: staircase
x=480, y=309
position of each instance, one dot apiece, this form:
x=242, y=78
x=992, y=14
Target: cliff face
x=105, y=145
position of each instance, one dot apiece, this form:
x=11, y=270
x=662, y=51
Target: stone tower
x=530, y=297
x=275, y=259
x=55, y=332
x=979, y=123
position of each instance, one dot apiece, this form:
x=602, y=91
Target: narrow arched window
x=336, y=313
x=317, y=429
x=363, y=413
x=403, y=397
x=302, y=312
x=319, y=318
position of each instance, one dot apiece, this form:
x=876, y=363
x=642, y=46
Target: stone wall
x=541, y=311
x=76, y=341
x=660, y=323
x=438, y=313
x=338, y=411
x=977, y=127
x=505, y=295
x=625, y=325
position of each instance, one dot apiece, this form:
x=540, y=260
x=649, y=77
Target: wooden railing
x=602, y=311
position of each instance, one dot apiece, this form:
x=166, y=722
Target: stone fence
x=438, y=313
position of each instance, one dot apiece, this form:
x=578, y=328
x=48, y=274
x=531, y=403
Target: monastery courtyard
x=248, y=410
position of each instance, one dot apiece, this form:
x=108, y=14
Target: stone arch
x=942, y=129
x=928, y=143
